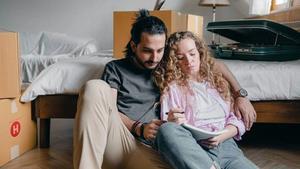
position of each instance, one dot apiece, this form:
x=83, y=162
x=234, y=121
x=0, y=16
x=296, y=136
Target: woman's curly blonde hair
x=169, y=70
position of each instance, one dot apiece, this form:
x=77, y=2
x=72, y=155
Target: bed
x=273, y=88
x=276, y=102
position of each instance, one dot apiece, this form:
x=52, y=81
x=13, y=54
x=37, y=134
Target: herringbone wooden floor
x=269, y=146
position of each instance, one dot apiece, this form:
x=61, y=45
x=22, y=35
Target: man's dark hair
x=144, y=22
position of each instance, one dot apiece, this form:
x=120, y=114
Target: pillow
x=65, y=77
x=89, y=48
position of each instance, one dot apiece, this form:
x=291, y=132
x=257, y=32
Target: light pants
x=182, y=151
x=101, y=140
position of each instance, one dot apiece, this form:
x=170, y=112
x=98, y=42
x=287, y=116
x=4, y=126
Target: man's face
x=150, y=50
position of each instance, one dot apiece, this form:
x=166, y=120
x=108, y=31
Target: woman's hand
x=177, y=116
x=211, y=142
x=215, y=141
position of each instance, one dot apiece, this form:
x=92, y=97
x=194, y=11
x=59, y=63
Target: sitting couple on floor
x=132, y=117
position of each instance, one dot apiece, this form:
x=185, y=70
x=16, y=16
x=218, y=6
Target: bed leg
x=44, y=133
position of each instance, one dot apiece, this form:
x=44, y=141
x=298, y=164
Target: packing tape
x=14, y=151
x=13, y=106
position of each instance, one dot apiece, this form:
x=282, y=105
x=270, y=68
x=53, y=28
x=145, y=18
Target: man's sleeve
x=111, y=76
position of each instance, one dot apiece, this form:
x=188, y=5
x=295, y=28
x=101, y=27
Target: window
x=280, y=4
x=259, y=7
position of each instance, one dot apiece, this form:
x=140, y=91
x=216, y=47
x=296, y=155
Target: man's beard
x=143, y=64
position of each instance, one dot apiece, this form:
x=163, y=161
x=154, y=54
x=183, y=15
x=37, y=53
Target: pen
x=175, y=112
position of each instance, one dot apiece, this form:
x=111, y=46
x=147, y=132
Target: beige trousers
x=101, y=140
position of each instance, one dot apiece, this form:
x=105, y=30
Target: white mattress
x=268, y=80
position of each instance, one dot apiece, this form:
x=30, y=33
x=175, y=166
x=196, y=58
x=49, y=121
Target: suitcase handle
x=225, y=54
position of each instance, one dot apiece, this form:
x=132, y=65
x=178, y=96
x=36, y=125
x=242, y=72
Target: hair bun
x=143, y=13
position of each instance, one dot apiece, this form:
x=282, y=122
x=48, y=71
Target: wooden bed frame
x=64, y=106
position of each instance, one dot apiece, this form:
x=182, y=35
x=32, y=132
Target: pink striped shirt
x=179, y=97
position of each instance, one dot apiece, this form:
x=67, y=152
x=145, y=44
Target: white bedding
x=262, y=80
x=32, y=65
x=41, y=49
x=268, y=80
x=66, y=76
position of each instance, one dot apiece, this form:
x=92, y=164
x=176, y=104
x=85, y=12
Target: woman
x=194, y=92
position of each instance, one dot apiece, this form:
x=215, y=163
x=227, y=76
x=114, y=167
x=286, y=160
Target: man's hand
x=244, y=109
x=150, y=129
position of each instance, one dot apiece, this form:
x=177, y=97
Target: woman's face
x=188, y=57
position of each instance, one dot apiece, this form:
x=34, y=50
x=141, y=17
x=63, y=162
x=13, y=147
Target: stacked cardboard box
x=17, y=129
x=175, y=21
x=9, y=65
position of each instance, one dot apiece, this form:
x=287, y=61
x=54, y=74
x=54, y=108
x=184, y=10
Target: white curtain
x=259, y=7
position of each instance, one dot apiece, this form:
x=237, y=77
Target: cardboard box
x=17, y=129
x=9, y=65
x=175, y=21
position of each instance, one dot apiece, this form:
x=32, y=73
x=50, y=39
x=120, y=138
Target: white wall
x=93, y=18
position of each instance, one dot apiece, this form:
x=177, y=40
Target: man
x=112, y=112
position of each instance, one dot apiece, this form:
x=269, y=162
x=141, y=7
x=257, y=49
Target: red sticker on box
x=15, y=129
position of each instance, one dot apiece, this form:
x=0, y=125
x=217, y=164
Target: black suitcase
x=260, y=40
